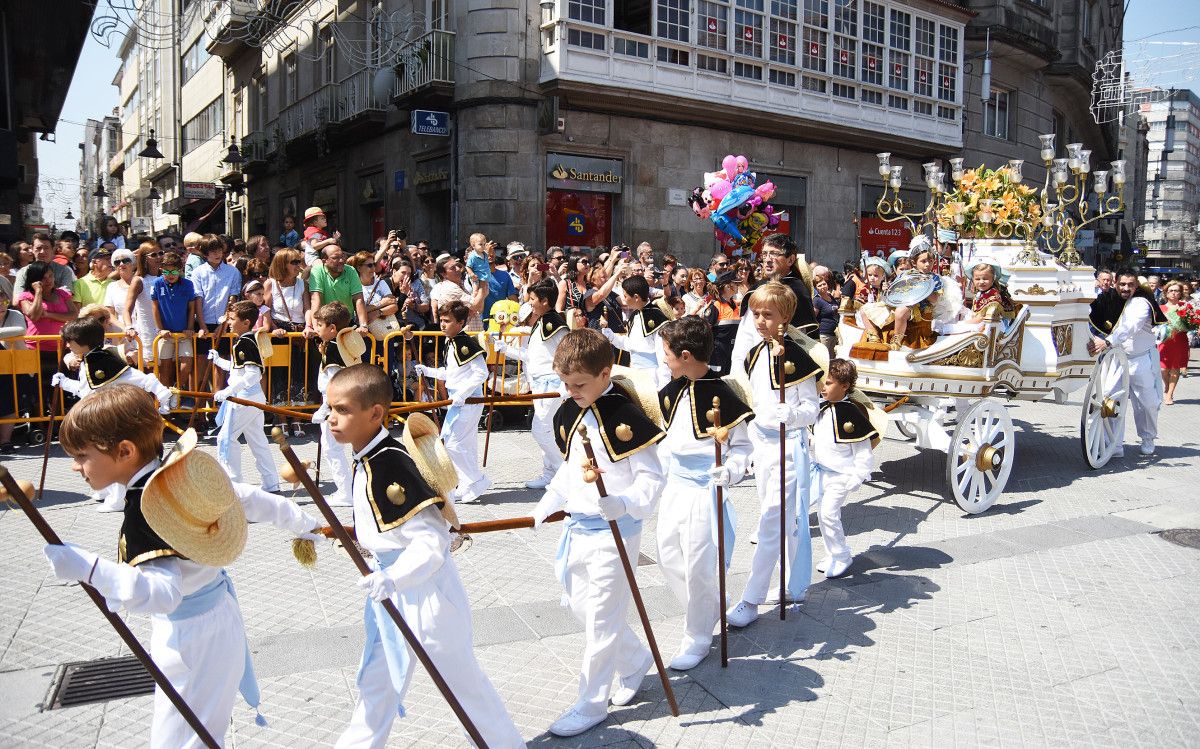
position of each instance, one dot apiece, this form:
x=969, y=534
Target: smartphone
x=624, y=254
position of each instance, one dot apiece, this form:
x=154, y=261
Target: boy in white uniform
x=643, y=341
x=771, y=305
x=99, y=366
x=465, y=370
x=169, y=560
x=547, y=329
x=245, y=368
x=843, y=438
x=398, y=517
x=588, y=563
x=687, y=531
x=341, y=346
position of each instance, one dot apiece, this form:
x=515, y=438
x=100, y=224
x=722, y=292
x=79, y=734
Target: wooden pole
x=364, y=569
x=487, y=437
x=633, y=587
x=117, y=623
x=719, y=519
x=782, y=483
x=57, y=391
x=254, y=404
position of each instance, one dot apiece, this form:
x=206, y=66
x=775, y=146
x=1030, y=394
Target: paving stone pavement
x=1056, y=618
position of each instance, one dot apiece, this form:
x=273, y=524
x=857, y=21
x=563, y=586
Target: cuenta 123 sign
x=584, y=173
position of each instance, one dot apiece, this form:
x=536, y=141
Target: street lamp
x=153, y=194
x=151, y=150
x=234, y=157
x=69, y=216
x=99, y=191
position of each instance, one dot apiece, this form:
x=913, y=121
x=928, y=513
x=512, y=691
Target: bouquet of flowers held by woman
x=989, y=202
x=1185, y=318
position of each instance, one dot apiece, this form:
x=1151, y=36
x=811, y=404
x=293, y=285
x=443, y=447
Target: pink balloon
x=719, y=189
x=730, y=164
x=743, y=164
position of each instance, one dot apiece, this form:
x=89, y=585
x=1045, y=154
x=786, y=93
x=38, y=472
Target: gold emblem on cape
x=666, y=403
x=395, y=494
x=99, y=374
x=464, y=350
x=562, y=433
x=549, y=327
x=789, y=368
x=848, y=427
x=624, y=432
x=649, y=325
x=241, y=356
x=121, y=548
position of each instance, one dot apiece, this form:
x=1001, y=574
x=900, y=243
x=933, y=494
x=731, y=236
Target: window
x=872, y=64
x=845, y=17
x=782, y=78
x=995, y=115
x=925, y=37
x=588, y=11
x=748, y=27
x=712, y=64
x=205, y=125
x=783, y=42
x=674, y=56
x=585, y=39
x=816, y=85
x=631, y=48
x=287, y=92
x=923, y=77
x=947, y=82
x=843, y=57
x=438, y=16
x=632, y=15
x=713, y=25
x=843, y=91
x=674, y=20
x=784, y=9
x=901, y=30
x=814, y=49
x=948, y=45
x=258, y=104
x=816, y=13
x=327, y=62
x=746, y=70
x=898, y=71
x=195, y=57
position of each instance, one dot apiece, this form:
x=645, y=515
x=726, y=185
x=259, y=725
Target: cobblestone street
x=1056, y=618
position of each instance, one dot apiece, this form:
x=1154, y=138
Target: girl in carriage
x=991, y=295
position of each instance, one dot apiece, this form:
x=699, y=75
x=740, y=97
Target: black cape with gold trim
x=651, y=318
x=803, y=365
x=549, y=324
x=1107, y=308
x=245, y=351
x=138, y=542
x=464, y=347
x=388, y=464
x=101, y=366
x=624, y=427
x=850, y=422
x=733, y=410
x=331, y=355
x=804, y=317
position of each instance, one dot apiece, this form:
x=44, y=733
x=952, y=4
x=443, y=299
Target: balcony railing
x=356, y=96
x=256, y=146
x=309, y=113
x=430, y=61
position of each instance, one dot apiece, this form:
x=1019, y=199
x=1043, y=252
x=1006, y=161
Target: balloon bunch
x=738, y=209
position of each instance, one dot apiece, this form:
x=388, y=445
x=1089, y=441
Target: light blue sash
x=588, y=524
x=205, y=600
x=454, y=413
x=547, y=383
x=380, y=628
x=800, y=482
x=692, y=471
x=643, y=360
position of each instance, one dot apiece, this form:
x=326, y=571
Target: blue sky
x=92, y=94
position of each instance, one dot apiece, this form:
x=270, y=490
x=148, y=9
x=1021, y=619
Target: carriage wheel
x=1102, y=423
x=981, y=455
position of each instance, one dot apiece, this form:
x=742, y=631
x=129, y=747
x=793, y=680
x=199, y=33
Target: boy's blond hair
x=583, y=350
x=776, y=295
x=110, y=415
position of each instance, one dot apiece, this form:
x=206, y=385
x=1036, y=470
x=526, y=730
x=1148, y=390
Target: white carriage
x=951, y=395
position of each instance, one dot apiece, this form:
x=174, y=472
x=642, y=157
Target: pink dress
x=57, y=303
x=1173, y=352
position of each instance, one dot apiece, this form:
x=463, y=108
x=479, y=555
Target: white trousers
x=1145, y=393
x=543, y=433
x=834, y=491
x=439, y=614
x=246, y=421
x=337, y=461
x=599, y=597
x=687, y=557
x=766, y=554
x=462, y=443
x=203, y=657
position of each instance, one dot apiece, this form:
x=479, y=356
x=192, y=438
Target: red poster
x=845, y=57
x=782, y=41
x=899, y=68
x=748, y=33
x=712, y=25
x=882, y=238
x=871, y=63
x=578, y=219
x=814, y=49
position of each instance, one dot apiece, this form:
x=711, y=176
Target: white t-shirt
x=375, y=292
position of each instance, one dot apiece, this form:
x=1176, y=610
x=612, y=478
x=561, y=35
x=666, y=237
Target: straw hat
x=739, y=383
x=350, y=345
x=575, y=319
x=266, y=347
x=640, y=384
x=804, y=271
x=815, y=349
x=875, y=414
x=191, y=504
x=311, y=213
x=422, y=439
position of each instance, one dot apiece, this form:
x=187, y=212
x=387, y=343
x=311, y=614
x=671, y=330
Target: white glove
x=378, y=585
x=420, y=370
x=164, y=408
x=458, y=401
x=720, y=476
x=314, y=537
x=213, y=355
x=57, y=379
x=221, y=395
x=70, y=562
x=611, y=336
x=776, y=413
x=320, y=415
x=612, y=506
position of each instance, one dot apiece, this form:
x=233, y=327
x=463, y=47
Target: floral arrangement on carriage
x=990, y=203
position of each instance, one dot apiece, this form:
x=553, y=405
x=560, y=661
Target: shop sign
x=432, y=175
x=882, y=238
x=398, y=180
x=199, y=190
x=428, y=122
x=584, y=173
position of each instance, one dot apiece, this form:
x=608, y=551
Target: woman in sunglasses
x=289, y=304
x=137, y=313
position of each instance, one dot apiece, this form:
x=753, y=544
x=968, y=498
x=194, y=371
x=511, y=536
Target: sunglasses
x=122, y=261
x=155, y=254
x=172, y=272
x=295, y=262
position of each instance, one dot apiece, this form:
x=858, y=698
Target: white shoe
x=838, y=567
x=742, y=615
x=541, y=482
x=685, y=660
x=273, y=490
x=107, y=506
x=339, y=500
x=573, y=723
x=823, y=564
x=474, y=491
x=1147, y=447
x=754, y=536
x=627, y=687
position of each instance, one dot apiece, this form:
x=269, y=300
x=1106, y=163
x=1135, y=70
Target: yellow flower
x=969, y=179
x=991, y=183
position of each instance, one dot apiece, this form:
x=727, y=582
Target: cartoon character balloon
x=736, y=206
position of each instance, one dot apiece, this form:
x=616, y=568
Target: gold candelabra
x=891, y=205
x=1062, y=220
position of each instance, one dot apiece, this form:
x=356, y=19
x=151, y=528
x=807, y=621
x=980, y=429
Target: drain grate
x=1189, y=537
x=100, y=680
